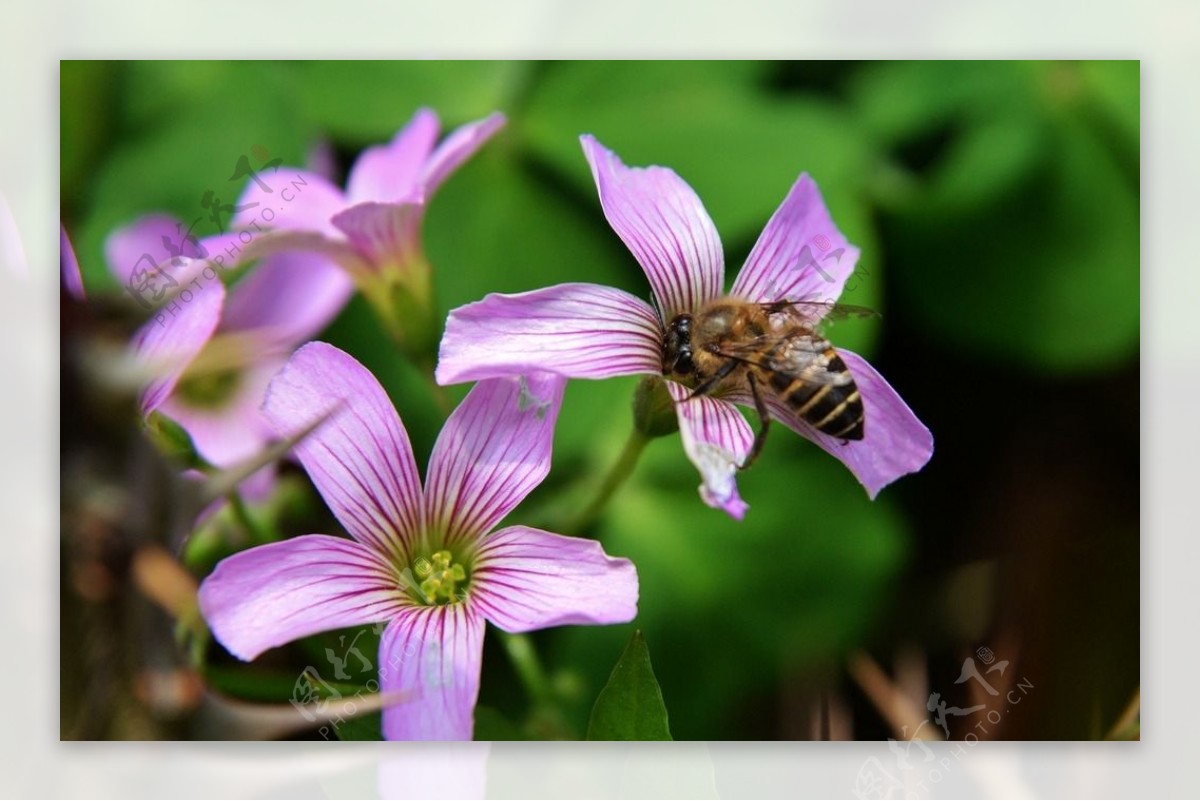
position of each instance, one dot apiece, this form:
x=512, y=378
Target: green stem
x=616, y=476
x=241, y=513
x=441, y=397
x=529, y=668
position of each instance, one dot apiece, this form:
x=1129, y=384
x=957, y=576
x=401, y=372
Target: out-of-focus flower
x=422, y=560
x=590, y=331
x=72, y=279
x=373, y=228
x=212, y=351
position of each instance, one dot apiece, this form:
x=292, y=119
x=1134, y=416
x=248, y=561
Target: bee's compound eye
x=684, y=364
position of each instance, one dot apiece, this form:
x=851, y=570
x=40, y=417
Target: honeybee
x=769, y=347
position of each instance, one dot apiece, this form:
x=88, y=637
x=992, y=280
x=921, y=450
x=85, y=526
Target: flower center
x=209, y=390
x=437, y=579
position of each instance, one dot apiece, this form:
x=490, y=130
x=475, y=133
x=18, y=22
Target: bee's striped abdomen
x=832, y=408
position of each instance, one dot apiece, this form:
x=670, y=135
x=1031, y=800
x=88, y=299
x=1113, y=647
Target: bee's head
x=677, y=347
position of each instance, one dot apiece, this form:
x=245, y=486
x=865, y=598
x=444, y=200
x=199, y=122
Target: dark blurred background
x=996, y=206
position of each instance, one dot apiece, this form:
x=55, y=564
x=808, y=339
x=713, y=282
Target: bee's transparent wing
x=802, y=356
x=812, y=312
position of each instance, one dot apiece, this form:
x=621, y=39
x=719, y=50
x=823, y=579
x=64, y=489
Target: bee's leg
x=706, y=385
x=764, y=418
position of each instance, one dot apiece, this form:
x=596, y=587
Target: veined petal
x=895, y=442
x=717, y=439
x=272, y=594
x=384, y=233
x=72, y=279
x=526, y=579
x=432, y=656
x=298, y=200
x=294, y=295
x=800, y=255
x=234, y=430
x=148, y=242
x=457, y=148
x=492, y=451
x=392, y=172
x=172, y=338
x=575, y=330
x=333, y=247
x=662, y=221
x=360, y=458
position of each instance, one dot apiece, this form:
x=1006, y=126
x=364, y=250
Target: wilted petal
x=717, y=439
x=526, y=579
x=173, y=337
x=431, y=656
x=895, y=442
x=392, y=172
x=457, y=148
x=272, y=594
x=662, y=221
x=800, y=255
x=297, y=200
x=148, y=242
x=575, y=330
x=72, y=280
x=492, y=451
x=360, y=458
x=385, y=233
x=293, y=295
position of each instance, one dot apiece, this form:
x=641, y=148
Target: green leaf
x=497, y=227
x=1011, y=216
x=630, y=706
x=173, y=441
x=366, y=102
x=187, y=124
x=794, y=586
x=1047, y=274
x=90, y=90
x=739, y=147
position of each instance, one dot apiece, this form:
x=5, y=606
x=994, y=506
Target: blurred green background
x=996, y=205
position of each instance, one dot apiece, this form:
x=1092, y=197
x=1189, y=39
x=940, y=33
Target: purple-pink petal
x=272, y=594
x=800, y=255
x=360, y=458
x=431, y=657
x=236, y=429
x=492, y=452
x=385, y=233
x=298, y=200
x=895, y=442
x=290, y=297
x=575, y=330
x=662, y=221
x=526, y=579
x=172, y=338
x=457, y=148
x=146, y=243
x=717, y=439
x=72, y=279
x=391, y=173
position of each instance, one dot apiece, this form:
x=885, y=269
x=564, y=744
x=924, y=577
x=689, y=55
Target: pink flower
x=373, y=228
x=427, y=560
x=590, y=331
x=211, y=351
